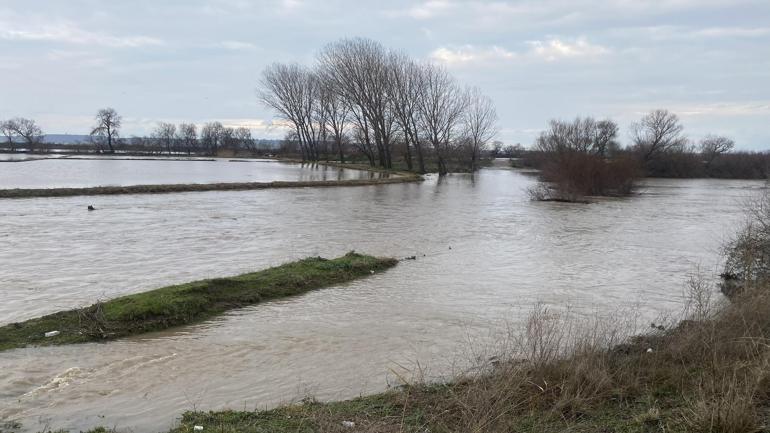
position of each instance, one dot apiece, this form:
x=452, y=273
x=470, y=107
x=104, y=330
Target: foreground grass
x=187, y=303
x=192, y=187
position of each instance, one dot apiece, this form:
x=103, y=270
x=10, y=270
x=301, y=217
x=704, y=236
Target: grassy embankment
x=172, y=188
x=187, y=303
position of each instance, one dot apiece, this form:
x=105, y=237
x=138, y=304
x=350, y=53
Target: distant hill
x=66, y=138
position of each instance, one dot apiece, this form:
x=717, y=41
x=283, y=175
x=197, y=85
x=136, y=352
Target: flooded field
x=62, y=172
x=485, y=256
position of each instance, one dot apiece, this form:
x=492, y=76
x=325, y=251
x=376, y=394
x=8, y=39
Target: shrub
x=574, y=175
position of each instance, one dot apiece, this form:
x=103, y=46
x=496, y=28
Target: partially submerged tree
x=657, y=133
x=380, y=100
x=165, y=133
x=290, y=90
x=480, y=123
x=28, y=130
x=187, y=134
x=357, y=70
x=244, y=139
x=8, y=130
x=578, y=163
x=212, y=135
x=712, y=146
x=108, y=123
x=442, y=104
x=582, y=135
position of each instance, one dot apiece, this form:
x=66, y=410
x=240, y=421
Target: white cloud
x=556, y=49
x=71, y=34
x=426, y=10
x=664, y=33
x=761, y=108
x=470, y=53
x=237, y=45
x=289, y=5
x=730, y=32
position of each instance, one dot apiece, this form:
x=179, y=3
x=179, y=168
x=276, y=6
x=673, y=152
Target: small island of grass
x=186, y=303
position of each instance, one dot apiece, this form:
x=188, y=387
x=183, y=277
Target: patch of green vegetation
x=187, y=303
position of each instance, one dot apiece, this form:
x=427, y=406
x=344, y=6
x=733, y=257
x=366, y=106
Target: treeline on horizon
x=21, y=133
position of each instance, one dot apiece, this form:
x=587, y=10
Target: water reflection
x=88, y=172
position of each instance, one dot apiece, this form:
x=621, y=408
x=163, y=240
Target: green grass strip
x=187, y=303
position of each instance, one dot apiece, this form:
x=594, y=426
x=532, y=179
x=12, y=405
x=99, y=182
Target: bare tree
x=442, y=104
x=107, y=126
x=28, y=130
x=712, y=146
x=405, y=89
x=228, y=139
x=188, y=136
x=582, y=135
x=8, y=129
x=165, y=134
x=290, y=91
x=657, y=133
x=334, y=112
x=480, y=122
x=212, y=136
x=244, y=139
x=357, y=70
x=377, y=99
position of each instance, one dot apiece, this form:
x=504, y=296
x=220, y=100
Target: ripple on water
x=506, y=254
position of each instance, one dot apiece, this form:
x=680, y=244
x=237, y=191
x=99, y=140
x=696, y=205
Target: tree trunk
x=339, y=148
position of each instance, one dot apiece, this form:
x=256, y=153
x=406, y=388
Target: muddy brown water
x=80, y=172
x=485, y=256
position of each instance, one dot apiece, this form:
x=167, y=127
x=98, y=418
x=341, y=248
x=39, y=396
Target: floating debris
x=52, y=334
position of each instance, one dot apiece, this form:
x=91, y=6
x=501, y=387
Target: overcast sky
x=199, y=60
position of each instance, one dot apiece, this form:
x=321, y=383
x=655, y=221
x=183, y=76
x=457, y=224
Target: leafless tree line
x=377, y=100
x=22, y=131
x=583, y=156
x=171, y=138
x=655, y=136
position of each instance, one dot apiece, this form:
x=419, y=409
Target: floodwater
x=485, y=256
x=66, y=172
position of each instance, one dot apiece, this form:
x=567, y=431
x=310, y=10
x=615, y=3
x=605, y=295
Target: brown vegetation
x=192, y=187
x=580, y=159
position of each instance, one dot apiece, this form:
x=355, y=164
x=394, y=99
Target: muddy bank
x=192, y=187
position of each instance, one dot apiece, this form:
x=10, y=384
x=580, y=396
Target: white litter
x=52, y=334
x=198, y=428
x=348, y=424
x=649, y=350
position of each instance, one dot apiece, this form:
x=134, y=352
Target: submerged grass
x=192, y=187
x=187, y=303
